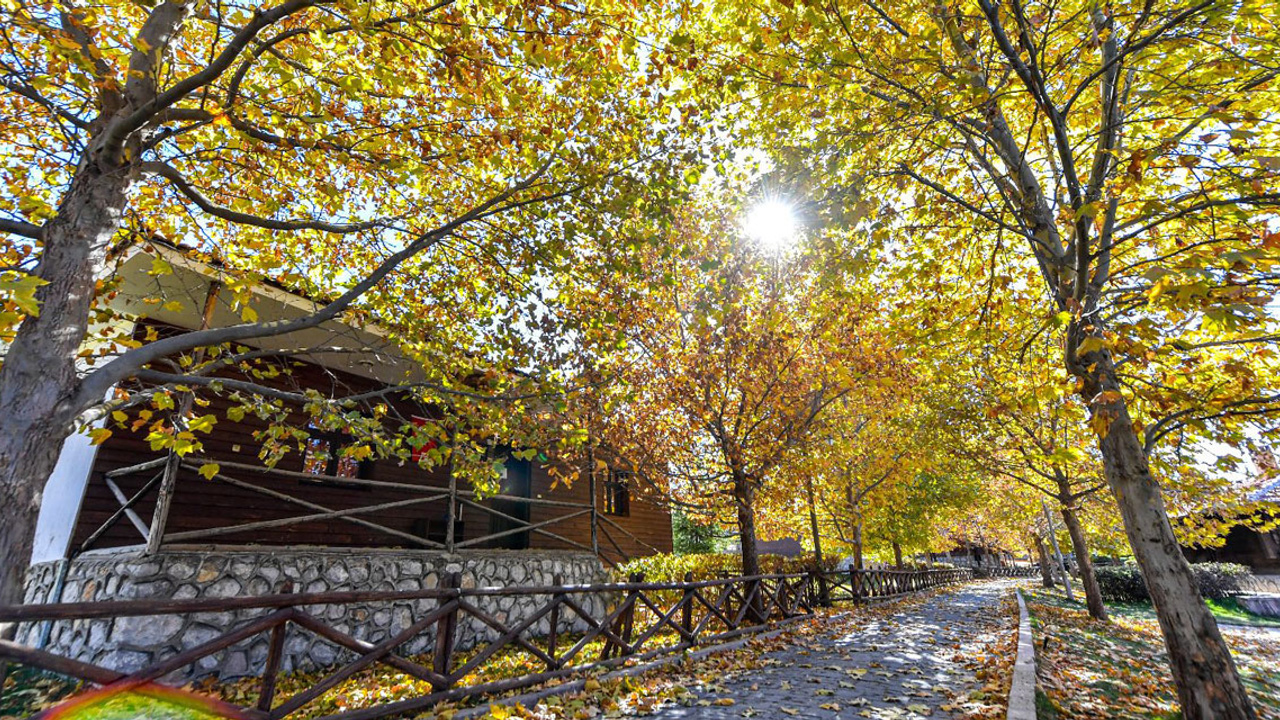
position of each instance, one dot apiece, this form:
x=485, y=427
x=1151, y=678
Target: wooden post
x=160, y=518
x=686, y=610
x=855, y=584
x=628, y=625
x=446, y=627
x=451, y=516
x=275, y=653
x=591, y=490
x=554, y=620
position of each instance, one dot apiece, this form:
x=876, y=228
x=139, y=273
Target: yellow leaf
x=208, y=470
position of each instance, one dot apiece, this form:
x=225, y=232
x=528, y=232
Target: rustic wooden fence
x=1009, y=571
x=607, y=537
x=562, y=636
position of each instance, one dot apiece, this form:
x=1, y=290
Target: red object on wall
x=420, y=453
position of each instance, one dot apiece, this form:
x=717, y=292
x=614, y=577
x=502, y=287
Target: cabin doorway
x=517, y=481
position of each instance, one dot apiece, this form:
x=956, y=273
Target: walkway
x=915, y=660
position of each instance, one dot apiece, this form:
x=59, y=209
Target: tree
x=852, y=459
x=732, y=358
x=414, y=145
x=1124, y=150
x=1018, y=425
x=689, y=536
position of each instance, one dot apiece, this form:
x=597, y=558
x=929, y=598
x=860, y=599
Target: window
x=617, y=493
x=323, y=456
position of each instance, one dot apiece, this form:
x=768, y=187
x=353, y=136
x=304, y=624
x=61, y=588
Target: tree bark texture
x=38, y=378
x=1209, y=685
x=744, y=499
x=857, y=546
x=1046, y=571
x=1080, y=546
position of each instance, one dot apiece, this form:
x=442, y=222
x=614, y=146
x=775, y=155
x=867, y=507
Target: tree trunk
x=1209, y=686
x=1046, y=572
x=38, y=378
x=813, y=524
x=857, y=547
x=744, y=497
x=1079, y=545
x=897, y=555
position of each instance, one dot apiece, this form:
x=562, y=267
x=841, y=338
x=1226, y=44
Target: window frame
x=617, y=486
x=335, y=441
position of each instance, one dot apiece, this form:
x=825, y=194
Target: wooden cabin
x=122, y=494
x=1256, y=546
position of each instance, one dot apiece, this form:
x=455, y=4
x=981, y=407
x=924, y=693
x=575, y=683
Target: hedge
x=1124, y=583
x=708, y=566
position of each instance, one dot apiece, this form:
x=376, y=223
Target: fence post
x=446, y=626
x=275, y=652
x=855, y=585
x=558, y=581
x=629, y=625
x=595, y=511
x=451, y=517
x=686, y=610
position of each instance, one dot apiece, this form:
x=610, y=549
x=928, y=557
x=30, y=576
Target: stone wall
x=131, y=643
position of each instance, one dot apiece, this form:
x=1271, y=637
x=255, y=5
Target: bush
x=1219, y=581
x=709, y=566
x=1124, y=583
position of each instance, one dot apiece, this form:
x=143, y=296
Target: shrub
x=1124, y=583
x=708, y=566
x=1219, y=581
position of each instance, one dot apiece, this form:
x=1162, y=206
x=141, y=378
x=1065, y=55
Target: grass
x=1090, y=670
x=1228, y=611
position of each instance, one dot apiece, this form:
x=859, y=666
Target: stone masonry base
x=130, y=643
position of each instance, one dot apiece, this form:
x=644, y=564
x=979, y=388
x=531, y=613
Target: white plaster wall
x=60, y=505
x=62, y=496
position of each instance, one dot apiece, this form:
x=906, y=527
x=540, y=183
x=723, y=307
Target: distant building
x=786, y=547
x=1260, y=550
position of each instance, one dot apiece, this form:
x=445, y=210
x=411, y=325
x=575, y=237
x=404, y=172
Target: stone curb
x=1022, y=691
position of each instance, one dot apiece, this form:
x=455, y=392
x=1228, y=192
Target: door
x=517, y=481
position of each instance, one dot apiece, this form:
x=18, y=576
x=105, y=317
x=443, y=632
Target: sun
x=772, y=223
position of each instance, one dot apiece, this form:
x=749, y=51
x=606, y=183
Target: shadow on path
x=896, y=662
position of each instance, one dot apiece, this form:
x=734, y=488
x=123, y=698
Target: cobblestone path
x=920, y=660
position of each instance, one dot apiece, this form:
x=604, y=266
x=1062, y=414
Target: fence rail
x=568, y=630
x=1008, y=571
x=164, y=472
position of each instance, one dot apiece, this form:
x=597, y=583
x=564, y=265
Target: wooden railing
x=864, y=585
x=1009, y=571
x=568, y=631
x=164, y=472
